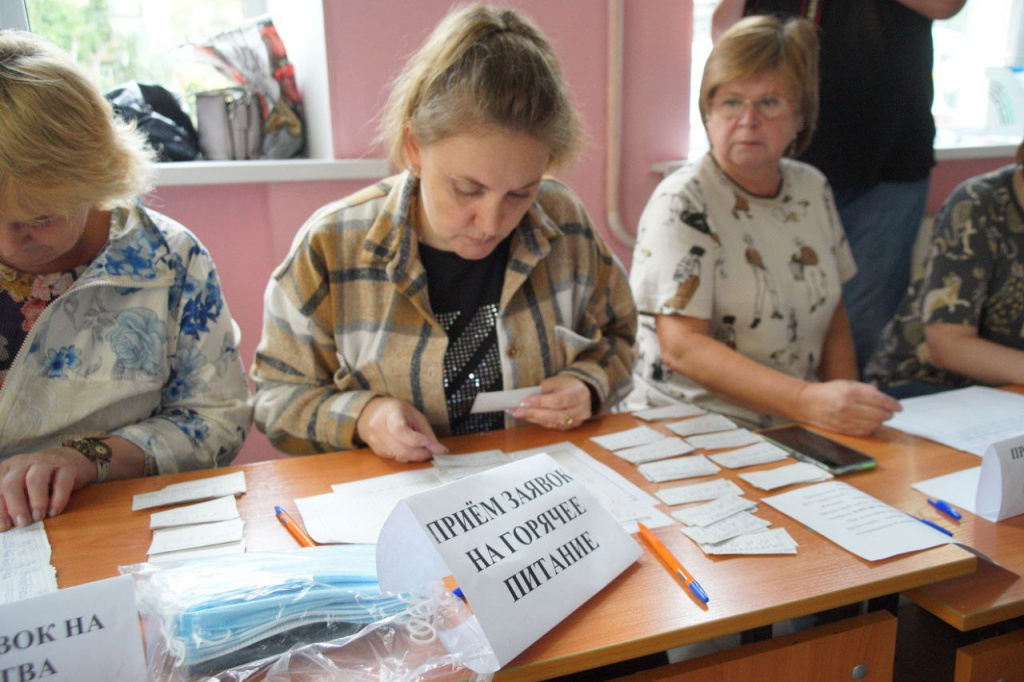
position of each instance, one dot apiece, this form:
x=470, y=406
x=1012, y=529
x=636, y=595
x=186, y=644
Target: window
x=979, y=95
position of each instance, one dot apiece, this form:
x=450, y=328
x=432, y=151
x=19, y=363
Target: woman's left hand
x=563, y=404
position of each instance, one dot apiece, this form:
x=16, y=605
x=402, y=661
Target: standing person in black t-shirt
x=875, y=135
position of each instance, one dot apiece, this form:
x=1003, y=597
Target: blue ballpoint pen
x=935, y=526
x=945, y=508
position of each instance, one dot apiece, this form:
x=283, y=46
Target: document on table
x=759, y=453
x=731, y=526
x=218, y=509
x=770, y=541
x=355, y=512
x=675, y=411
x=856, y=521
x=699, y=492
x=714, y=511
x=959, y=488
x=25, y=563
x=652, y=452
x=199, y=535
x=192, y=491
x=641, y=435
x=723, y=439
x=779, y=477
x=705, y=424
x=690, y=466
x=968, y=419
x=234, y=547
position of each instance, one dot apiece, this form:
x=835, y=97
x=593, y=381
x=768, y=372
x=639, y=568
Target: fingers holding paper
x=563, y=403
x=38, y=485
x=847, y=407
x=394, y=429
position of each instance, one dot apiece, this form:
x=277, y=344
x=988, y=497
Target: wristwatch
x=96, y=451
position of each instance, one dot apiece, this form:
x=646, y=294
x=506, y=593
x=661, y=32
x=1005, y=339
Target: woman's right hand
x=844, y=406
x=394, y=429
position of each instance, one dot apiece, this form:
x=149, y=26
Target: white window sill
x=993, y=151
x=288, y=170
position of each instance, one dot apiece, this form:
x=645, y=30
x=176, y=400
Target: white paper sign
x=526, y=543
x=89, y=632
x=1001, y=484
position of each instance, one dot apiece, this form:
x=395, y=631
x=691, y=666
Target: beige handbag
x=229, y=124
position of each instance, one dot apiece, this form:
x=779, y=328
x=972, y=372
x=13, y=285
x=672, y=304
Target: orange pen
x=671, y=562
x=294, y=528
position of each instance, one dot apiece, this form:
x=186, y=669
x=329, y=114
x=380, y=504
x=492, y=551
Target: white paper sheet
x=856, y=521
x=237, y=547
x=628, y=438
x=731, y=526
x=714, y=511
x=770, y=541
x=1001, y=482
x=799, y=472
x=758, y=453
x=968, y=419
x=959, y=488
x=355, y=512
x=698, y=492
x=192, y=491
x=652, y=452
x=705, y=424
x=218, y=509
x=499, y=401
x=690, y=466
x=471, y=459
x=723, y=439
x=200, y=535
x=674, y=411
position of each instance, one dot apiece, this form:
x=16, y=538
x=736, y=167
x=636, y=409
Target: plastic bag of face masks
x=316, y=611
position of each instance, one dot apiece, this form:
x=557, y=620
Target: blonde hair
x=60, y=144
x=482, y=67
x=758, y=44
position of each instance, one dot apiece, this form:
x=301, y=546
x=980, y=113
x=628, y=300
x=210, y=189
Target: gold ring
x=569, y=421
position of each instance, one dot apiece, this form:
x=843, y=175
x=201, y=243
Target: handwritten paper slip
x=740, y=523
x=706, y=424
x=625, y=501
x=652, y=452
x=968, y=419
x=219, y=509
x=640, y=435
x=192, y=491
x=675, y=411
x=758, y=453
x=856, y=521
x=199, y=535
x=771, y=541
x=236, y=547
x=690, y=466
x=959, y=488
x=799, y=472
x=25, y=563
x=499, y=401
x=698, y=492
x=723, y=439
x=714, y=511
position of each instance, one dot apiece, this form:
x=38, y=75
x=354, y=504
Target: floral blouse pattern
x=141, y=346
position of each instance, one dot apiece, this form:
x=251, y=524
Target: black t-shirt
x=875, y=122
x=464, y=296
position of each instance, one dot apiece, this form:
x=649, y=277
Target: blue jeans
x=881, y=223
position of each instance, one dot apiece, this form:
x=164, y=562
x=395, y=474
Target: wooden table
x=645, y=610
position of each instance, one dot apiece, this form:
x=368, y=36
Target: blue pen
x=935, y=526
x=945, y=508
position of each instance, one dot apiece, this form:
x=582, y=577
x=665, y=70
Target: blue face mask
x=214, y=609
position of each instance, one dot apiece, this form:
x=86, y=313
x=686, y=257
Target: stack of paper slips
x=727, y=526
x=25, y=564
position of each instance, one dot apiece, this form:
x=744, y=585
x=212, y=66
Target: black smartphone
x=809, y=446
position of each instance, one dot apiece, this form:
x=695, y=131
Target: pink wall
x=249, y=227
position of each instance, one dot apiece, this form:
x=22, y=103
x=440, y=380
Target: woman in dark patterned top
x=962, y=320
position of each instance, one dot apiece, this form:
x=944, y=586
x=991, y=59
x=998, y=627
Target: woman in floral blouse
x=118, y=356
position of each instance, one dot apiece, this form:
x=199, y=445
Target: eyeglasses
x=769, y=106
